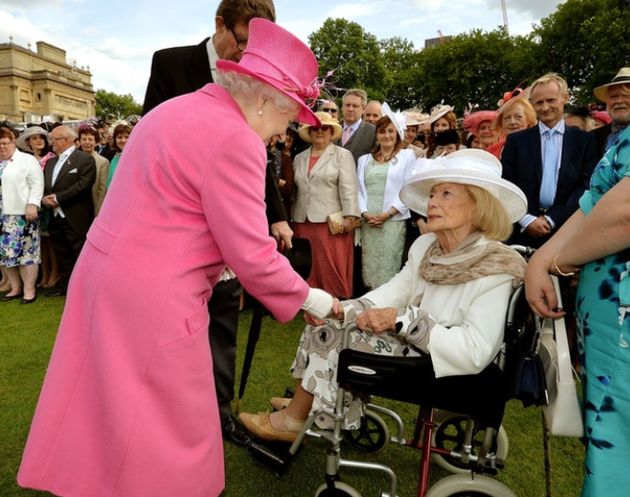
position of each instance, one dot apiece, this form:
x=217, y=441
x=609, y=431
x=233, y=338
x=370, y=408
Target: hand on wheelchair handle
x=377, y=320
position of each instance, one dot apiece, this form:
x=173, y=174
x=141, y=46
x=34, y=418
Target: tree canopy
x=120, y=106
x=585, y=41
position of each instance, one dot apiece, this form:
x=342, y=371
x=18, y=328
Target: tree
x=586, y=42
x=402, y=63
x=109, y=103
x=352, y=53
x=474, y=68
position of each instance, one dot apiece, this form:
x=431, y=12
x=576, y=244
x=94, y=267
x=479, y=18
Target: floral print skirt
x=19, y=241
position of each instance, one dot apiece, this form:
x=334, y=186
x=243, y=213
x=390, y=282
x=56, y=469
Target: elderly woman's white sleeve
x=468, y=348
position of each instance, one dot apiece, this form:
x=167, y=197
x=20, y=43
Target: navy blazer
x=522, y=165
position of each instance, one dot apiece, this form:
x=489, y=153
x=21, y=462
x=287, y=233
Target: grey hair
x=251, y=88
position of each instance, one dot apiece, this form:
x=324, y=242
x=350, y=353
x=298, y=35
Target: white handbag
x=563, y=414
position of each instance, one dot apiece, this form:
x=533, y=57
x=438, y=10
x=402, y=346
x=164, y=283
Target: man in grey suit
x=358, y=135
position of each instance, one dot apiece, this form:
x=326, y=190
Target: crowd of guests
x=361, y=182
x=54, y=181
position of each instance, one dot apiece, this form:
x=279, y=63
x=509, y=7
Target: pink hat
x=474, y=120
x=601, y=115
x=277, y=58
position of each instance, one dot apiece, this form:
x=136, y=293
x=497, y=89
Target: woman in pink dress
x=128, y=405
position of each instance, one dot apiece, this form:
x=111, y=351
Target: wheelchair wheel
x=341, y=490
x=450, y=434
x=371, y=436
x=469, y=486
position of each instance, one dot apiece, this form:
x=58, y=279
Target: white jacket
x=398, y=172
x=22, y=184
x=470, y=316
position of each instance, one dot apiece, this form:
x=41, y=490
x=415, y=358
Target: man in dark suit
x=68, y=180
x=552, y=163
x=179, y=70
x=358, y=136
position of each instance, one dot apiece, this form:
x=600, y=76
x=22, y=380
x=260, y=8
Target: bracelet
x=558, y=270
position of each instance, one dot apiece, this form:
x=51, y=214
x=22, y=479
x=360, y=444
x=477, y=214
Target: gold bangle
x=559, y=271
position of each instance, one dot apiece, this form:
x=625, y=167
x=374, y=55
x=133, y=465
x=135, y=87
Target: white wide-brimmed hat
x=439, y=111
x=22, y=141
x=467, y=167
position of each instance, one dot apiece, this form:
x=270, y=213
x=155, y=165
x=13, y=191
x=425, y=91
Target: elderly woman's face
x=7, y=148
x=514, y=119
x=487, y=135
x=321, y=136
x=451, y=208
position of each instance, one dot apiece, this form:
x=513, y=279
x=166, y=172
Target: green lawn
x=26, y=337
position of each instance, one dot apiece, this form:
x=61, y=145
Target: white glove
x=318, y=303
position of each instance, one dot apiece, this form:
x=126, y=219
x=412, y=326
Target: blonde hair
x=551, y=77
x=357, y=92
x=250, y=89
x=490, y=216
x=528, y=111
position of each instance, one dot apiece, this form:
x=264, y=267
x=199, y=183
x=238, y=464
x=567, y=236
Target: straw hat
x=22, y=141
x=468, y=167
x=622, y=78
x=439, y=111
x=326, y=120
x=277, y=58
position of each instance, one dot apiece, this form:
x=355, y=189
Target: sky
x=117, y=38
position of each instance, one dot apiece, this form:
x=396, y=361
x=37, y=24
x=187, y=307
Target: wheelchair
x=459, y=421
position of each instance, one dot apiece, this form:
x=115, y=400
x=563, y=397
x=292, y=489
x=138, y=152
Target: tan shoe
x=260, y=426
x=279, y=403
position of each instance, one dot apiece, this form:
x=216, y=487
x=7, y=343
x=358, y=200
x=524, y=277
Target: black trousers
x=223, y=308
x=67, y=244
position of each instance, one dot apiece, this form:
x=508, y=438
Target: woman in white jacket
x=447, y=305
x=21, y=190
x=381, y=175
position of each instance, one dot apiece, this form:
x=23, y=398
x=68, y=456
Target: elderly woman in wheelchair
x=446, y=306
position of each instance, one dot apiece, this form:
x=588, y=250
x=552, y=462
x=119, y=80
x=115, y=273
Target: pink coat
x=128, y=406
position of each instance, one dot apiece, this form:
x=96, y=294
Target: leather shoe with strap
x=260, y=426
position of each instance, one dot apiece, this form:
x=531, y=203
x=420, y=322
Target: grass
x=26, y=338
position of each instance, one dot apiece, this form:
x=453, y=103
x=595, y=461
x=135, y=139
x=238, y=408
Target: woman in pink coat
x=128, y=404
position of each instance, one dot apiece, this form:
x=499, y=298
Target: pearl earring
x=260, y=112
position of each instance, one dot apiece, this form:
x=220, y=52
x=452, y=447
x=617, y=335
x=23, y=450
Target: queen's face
x=451, y=208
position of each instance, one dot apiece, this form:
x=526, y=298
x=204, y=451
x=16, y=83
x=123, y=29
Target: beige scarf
x=470, y=261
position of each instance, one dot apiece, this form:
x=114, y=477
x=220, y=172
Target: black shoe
x=28, y=301
x=6, y=298
x=55, y=292
x=233, y=432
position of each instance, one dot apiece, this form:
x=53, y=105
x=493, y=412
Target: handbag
x=563, y=414
x=335, y=223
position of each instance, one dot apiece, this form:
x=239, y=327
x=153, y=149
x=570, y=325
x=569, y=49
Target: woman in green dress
x=381, y=174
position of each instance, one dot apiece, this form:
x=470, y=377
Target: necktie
x=550, y=168
x=345, y=136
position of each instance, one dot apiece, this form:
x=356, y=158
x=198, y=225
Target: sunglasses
x=321, y=128
x=330, y=111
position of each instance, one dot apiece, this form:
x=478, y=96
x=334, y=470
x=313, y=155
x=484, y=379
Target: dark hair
x=380, y=125
x=447, y=137
x=236, y=12
x=8, y=131
x=88, y=130
x=121, y=129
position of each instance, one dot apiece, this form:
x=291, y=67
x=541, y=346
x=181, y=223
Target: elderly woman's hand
x=31, y=213
x=377, y=320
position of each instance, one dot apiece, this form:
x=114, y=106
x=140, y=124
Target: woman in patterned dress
x=447, y=305
x=596, y=242
x=21, y=190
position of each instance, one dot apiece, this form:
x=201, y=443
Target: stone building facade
x=36, y=85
